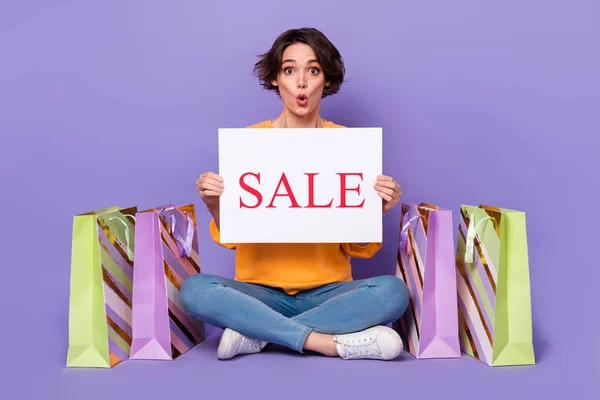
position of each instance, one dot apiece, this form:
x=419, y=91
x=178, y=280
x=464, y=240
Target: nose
x=301, y=81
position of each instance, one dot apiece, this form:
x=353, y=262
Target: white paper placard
x=327, y=157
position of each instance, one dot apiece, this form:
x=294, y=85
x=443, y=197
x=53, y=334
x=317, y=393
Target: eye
x=314, y=70
x=288, y=70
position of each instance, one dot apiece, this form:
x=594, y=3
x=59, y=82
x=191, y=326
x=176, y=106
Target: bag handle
x=127, y=233
x=490, y=208
x=404, y=231
x=184, y=245
x=429, y=206
x=470, y=241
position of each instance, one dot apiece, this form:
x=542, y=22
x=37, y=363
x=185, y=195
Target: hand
x=210, y=186
x=389, y=190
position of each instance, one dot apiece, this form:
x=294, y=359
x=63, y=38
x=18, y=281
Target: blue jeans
x=273, y=316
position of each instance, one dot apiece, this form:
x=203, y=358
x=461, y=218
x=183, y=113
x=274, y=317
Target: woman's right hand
x=210, y=187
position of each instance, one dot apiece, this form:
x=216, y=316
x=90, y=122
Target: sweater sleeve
x=361, y=251
x=216, y=235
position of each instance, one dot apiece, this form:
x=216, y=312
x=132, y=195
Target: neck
x=288, y=119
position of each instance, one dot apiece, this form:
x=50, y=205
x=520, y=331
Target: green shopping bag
x=493, y=286
x=101, y=287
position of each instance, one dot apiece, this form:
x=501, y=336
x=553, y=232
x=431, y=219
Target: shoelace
x=249, y=344
x=360, y=347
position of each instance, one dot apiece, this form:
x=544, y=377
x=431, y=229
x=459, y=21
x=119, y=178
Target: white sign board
x=300, y=185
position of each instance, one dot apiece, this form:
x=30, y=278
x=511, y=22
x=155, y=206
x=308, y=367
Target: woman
x=299, y=295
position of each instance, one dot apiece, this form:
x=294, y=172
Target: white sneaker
x=233, y=343
x=378, y=342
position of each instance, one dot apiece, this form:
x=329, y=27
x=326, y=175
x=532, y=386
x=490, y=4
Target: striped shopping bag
x=100, y=297
x=166, y=254
x=429, y=327
x=494, y=298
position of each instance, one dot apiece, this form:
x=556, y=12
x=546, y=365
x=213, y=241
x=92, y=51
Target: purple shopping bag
x=429, y=327
x=166, y=253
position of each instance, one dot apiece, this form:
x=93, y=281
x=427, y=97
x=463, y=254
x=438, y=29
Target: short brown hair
x=267, y=68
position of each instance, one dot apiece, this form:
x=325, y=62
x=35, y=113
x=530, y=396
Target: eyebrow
x=291, y=60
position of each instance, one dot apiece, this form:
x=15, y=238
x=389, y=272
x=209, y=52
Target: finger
x=385, y=196
x=389, y=184
x=388, y=191
x=211, y=186
x=212, y=182
x=384, y=178
x=212, y=193
x=210, y=176
x=214, y=176
x=200, y=184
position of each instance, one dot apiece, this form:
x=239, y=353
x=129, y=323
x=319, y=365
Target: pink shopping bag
x=166, y=253
x=429, y=327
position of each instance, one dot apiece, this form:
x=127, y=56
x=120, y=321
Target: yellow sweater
x=294, y=267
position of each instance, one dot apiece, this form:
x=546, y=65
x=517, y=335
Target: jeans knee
x=193, y=292
x=394, y=294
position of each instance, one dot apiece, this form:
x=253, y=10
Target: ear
x=274, y=82
x=327, y=84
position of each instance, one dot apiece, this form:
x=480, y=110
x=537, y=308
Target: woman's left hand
x=389, y=190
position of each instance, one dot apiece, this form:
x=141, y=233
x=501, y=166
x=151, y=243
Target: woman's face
x=301, y=80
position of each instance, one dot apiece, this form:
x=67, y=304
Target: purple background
x=118, y=102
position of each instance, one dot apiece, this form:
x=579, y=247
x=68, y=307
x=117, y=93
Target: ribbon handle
x=470, y=241
x=184, y=245
x=127, y=235
x=404, y=232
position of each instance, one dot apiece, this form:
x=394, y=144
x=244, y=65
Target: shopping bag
x=429, y=327
x=166, y=254
x=493, y=286
x=100, y=298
